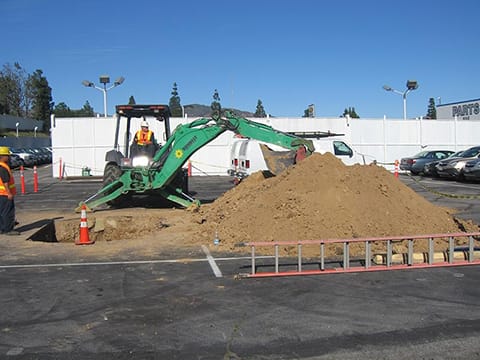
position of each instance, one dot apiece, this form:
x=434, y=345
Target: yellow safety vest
x=11, y=182
x=144, y=138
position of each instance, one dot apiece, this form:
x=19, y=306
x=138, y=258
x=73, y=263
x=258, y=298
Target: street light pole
x=104, y=79
x=411, y=85
x=105, y=99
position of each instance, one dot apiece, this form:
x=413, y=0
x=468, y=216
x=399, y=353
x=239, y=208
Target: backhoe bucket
x=278, y=161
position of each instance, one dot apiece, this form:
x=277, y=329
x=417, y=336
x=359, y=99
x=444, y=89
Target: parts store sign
x=463, y=111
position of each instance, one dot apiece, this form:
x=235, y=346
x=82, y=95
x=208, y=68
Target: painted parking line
x=212, y=262
x=130, y=262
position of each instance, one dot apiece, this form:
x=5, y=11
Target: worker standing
x=144, y=141
x=7, y=194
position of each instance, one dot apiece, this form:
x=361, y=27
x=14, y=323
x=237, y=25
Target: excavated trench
x=100, y=228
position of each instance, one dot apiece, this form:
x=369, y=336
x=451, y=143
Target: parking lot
x=190, y=305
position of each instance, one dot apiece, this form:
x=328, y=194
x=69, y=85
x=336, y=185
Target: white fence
x=82, y=142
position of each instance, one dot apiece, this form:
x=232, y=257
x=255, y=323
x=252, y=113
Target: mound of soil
x=321, y=198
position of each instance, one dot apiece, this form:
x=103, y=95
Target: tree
x=174, y=103
x=260, y=111
x=12, y=90
x=41, y=96
x=131, y=100
x=432, y=110
x=62, y=110
x=216, y=106
x=86, y=111
x=351, y=113
x=309, y=112
x=25, y=95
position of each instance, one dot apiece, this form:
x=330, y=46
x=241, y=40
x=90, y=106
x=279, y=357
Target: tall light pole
x=35, y=131
x=104, y=79
x=411, y=85
x=17, y=125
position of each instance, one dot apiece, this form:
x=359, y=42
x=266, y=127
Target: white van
x=247, y=156
x=237, y=151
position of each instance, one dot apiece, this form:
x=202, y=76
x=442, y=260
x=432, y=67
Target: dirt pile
x=321, y=198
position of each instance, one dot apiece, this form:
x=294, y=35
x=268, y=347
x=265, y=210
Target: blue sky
x=289, y=54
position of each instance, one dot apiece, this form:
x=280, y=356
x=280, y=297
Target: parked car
x=453, y=168
x=37, y=157
x=415, y=164
x=430, y=169
x=47, y=154
x=471, y=171
x=15, y=161
x=27, y=157
x=41, y=155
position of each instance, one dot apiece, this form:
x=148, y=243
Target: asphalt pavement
x=175, y=307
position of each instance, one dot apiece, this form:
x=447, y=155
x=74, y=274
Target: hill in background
x=197, y=110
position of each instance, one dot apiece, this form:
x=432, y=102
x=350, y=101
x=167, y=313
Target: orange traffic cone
x=84, y=238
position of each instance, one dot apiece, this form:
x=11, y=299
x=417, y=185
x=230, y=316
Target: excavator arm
x=184, y=142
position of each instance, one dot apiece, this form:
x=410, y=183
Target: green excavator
x=163, y=174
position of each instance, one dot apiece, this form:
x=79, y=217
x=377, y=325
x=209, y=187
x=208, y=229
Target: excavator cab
x=124, y=131
x=126, y=155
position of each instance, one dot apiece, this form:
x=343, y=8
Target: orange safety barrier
x=84, y=236
x=35, y=179
x=22, y=179
x=60, y=170
x=396, y=169
x=454, y=256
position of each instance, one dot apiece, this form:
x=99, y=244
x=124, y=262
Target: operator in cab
x=144, y=142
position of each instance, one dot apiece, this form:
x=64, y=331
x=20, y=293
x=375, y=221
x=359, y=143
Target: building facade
x=464, y=110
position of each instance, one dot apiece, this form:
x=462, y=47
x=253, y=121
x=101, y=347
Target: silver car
x=416, y=163
x=430, y=169
x=453, y=168
x=471, y=171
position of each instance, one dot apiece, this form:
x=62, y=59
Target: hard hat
x=4, y=150
x=144, y=123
